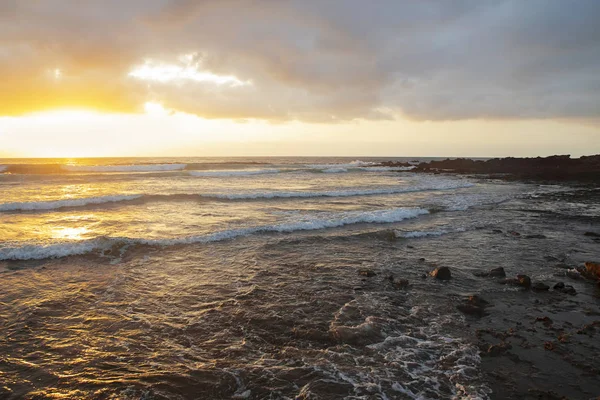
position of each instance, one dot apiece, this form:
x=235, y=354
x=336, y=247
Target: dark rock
x=422, y=259
x=535, y=237
x=369, y=273
x=401, y=283
x=410, y=247
x=390, y=277
x=568, y=289
x=524, y=281
x=540, y=287
x=474, y=305
x=497, y=231
x=442, y=273
x=592, y=234
x=549, y=346
x=513, y=233
x=553, y=168
x=423, y=276
x=497, y=272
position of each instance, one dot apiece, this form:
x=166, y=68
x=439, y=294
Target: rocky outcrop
x=553, y=168
x=592, y=270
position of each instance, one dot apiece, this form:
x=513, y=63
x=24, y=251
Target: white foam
x=324, y=221
x=242, y=172
x=3, y=168
x=124, y=168
x=56, y=204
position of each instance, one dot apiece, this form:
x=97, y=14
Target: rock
x=497, y=231
x=442, y=273
x=592, y=270
x=540, y=287
x=410, y=247
x=401, y=283
x=423, y=276
x=422, y=259
x=567, y=289
x=369, y=273
x=474, y=305
x=524, y=281
x=513, y=233
x=535, y=237
x=497, y=272
x=549, y=346
x=592, y=234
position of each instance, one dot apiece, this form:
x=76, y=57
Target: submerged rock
x=567, y=289
x=592, y=234
x=520, y=280
x=474, y=305
x=369, y=273
x=493, y=273
x=442, y=273
x=540, y=287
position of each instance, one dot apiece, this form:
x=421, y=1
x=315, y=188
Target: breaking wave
x=3, y=168
x=124, y=168
x=242, y=172
x=81, y=202
x=330, y=220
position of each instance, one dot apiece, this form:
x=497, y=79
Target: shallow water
x=216, y=281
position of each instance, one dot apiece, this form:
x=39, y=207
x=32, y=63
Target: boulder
x=442, y=273
x=567, y=289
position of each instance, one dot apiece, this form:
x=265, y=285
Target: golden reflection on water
x=69, y=233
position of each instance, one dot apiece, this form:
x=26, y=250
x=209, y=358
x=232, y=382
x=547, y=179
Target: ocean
x=262, y=278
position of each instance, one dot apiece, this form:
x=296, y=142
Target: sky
x=299, y=77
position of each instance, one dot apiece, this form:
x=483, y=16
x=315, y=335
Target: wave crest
x=327, y=221
x=124, y=168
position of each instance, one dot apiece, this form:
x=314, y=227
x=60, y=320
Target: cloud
x=307, y=60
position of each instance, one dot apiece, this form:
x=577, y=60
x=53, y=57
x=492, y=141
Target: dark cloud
x=310, y=60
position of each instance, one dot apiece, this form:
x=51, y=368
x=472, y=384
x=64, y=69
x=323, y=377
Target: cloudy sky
x=299, y=77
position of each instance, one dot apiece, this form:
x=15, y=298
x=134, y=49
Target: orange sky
x=228, y=77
